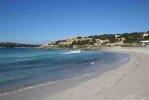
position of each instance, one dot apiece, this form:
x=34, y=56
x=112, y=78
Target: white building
x=145, y=34
x=117, y=35
x=144, y=42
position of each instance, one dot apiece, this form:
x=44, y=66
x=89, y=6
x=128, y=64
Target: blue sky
x=40, y=21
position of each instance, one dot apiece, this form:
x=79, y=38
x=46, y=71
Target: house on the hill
x=99, y=41
x=145, y=34
x=44, y=45
x=119, y=38
x=65, y=43
x=144, y=42
x=117, y=35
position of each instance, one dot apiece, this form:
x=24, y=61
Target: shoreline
x=128, y=82
x=58, y=86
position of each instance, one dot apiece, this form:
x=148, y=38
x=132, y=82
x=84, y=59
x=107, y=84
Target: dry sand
x=128, y=82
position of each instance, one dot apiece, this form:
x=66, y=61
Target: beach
x=74, y=50
x=127, y=82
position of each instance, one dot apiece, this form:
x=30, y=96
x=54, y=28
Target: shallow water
x=23, y=67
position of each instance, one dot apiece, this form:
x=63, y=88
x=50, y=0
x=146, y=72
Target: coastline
x=128, y=82
x=122, y=83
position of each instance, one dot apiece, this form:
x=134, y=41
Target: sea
x=27, y=67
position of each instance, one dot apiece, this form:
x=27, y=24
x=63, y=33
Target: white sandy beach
x=128, y=82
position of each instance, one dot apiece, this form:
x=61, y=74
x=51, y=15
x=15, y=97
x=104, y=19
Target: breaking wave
x=72, y=52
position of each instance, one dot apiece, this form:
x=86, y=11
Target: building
x=117, y=35
x=99, y=41
x=65, y=43
x=145, y=34
x=144, y=42
x=74, y=39
x=44, y=45
x=119, y=38
x=51, y=43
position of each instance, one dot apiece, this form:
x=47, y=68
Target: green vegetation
x=125, y=39
x=83, y=42
x=57, y=42
x=110, y=37
x=132, y=37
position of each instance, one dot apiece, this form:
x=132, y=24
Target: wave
x=72, y=52
x=92, y=63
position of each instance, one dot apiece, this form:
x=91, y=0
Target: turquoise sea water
x=23, y=67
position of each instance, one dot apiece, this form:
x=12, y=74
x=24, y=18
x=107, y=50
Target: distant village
x=94, y=42
x=134, y=39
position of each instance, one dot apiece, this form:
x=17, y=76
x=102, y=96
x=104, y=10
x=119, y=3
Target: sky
x=40, y=21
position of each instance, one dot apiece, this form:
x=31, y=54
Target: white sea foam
x=125, y=59
x=84, y=75
x=30, y=87
x=92, y=63
x=71, y=52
